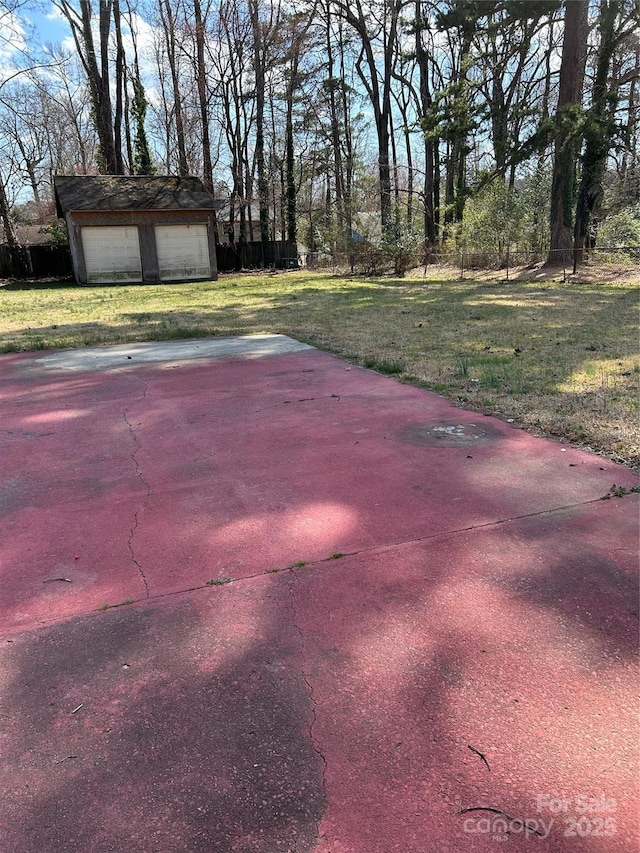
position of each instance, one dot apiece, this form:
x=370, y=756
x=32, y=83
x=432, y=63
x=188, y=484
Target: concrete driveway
x=254, y=598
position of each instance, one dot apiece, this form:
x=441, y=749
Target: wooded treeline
x=454, y=123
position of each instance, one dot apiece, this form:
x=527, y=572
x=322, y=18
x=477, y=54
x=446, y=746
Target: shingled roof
x=117, y=192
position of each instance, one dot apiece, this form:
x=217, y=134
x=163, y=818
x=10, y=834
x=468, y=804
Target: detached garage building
x=138, y=229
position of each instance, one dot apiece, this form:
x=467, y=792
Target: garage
x=112, y=254
x=138, y=228
x=183, y=251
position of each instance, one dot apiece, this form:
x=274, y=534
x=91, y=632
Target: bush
x=620, y=230
x=57, y=231
x=401, y=244
x=492, y=220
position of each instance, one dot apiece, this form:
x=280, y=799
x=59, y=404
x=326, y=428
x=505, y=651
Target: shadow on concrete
x=194, y=732
x=330, y=707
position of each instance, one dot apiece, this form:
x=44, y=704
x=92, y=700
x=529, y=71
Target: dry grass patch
x=561, y=359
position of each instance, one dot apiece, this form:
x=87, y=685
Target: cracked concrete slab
x=419, y=631
x=507, y=643
x=233, y=467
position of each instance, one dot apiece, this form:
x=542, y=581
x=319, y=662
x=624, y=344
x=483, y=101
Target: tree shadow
x=339, y=698
x=192, y=732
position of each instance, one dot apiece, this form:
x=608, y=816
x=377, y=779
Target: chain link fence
x=599, y=264
x=617, y=261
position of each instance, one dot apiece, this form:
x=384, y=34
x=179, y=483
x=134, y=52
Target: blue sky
x=49, y=26
x=22, y=33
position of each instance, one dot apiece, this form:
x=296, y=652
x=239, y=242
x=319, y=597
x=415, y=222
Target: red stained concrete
x=487, y=598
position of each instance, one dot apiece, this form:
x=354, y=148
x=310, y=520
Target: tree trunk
x=119, y=87
x=347, y=140
x=629, y=166
x=599, y=130
x=168, y=19
x=17, y=258
x=333, y=84
x=394, y=161
x=298, y=29
x=460, y=123
x=259, y=76
x=292, y=225
x=140, y=159
x=567, y=140
x=375, y=67
x=5, y=216
x=426, y=101
x=112, y=165
x=81, y=27
x=207, y=166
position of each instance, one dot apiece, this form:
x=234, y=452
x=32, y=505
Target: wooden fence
x=35, y=262
x=55, y=261
x=280, y=254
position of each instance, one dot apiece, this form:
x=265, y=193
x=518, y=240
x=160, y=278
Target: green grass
x=560, y=359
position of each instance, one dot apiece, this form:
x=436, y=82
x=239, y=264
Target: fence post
x=507, y=263
x=461, y=265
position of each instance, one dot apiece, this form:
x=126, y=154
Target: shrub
x=492, y=220
x=620, y=230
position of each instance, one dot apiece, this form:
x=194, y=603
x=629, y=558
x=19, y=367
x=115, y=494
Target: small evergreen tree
x=142, y=160
x=492, y=220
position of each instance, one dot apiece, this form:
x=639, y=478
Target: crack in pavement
x=145, y=503
x=385, y=546
x=319, y=562
x=314, y=705
x=381, y=546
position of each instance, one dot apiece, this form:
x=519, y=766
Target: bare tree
x=96, y=63
x=510, y=72
x=141, y=161
x=203, y=94
x=424, y=61
x=21, y=62
x=168, y=10
x=630, y=161
x=377, y=28
x=298, y=26
x=264, y=29
x=230, y=63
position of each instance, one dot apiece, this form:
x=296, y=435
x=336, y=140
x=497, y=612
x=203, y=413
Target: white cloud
x=13, y=44
x=12, y=34
x=54, y=14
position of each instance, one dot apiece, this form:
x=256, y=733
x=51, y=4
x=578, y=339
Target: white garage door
x=112, y=253
x=183, y=251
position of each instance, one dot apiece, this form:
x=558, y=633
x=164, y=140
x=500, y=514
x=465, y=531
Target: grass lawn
x=559, y=359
